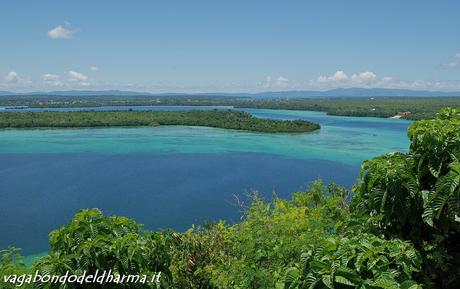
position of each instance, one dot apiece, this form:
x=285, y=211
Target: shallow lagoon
x=172, y=176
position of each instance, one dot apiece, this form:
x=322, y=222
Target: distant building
x=403, y=113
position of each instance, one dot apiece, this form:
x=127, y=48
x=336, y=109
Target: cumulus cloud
x=340, y=79
x=78, y=78
x=13, y=80
x=94, y=68
x=60, y=32
x=12, y=77
x=369, y=79
x=363, y=77
x=338, y=76
x=52, y=79
x=276, y=82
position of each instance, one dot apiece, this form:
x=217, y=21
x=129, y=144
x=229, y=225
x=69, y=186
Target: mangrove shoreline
x=226, y=119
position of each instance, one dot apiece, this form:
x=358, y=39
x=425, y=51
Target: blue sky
x=236, y=45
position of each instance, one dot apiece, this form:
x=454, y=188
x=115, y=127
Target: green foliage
x=256, y=251
x=229, y=119
x=435, y=147
x=433, y=143
x=416, y=196
x=363, y=261
x=196, y=251
x=11, y=262
x=387, y=186
x=92, y=242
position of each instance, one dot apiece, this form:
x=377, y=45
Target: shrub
x=93, y=242
x=364, y=261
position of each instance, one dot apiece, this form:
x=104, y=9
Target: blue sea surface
x=173, y=176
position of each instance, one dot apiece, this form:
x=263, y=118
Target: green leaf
x=410, y=284
x=343, y=280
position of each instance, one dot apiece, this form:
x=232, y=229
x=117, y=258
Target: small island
x=227, y=119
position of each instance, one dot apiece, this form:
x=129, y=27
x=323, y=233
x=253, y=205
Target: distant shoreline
x=381, y=107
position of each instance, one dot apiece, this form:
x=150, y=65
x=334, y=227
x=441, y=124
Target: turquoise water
x=172, y=176
x=342, y=139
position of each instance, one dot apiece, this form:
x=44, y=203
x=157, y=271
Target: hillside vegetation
x=400, y=230
x=228, y=119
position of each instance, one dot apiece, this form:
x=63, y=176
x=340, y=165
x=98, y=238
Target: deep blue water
x=41, y=192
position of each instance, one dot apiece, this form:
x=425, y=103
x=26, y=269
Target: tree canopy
x=228, y=119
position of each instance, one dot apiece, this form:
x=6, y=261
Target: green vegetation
x=363, y=261
x=420, y=107
x=228, y=119
x=416, y=196
x=90, y=242
x=400, y=230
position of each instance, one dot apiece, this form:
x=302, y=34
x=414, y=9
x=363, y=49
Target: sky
x=229, y=46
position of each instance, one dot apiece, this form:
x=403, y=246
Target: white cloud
x=454, y=63
x=59, y=32
x=12, y=77
x=78, y=78
x=363, y=77
x=52, y=79
x=94, y=68
x=276, y=82
x=340, y=79
x=14, y=80
x=369, y=79
x=339, y=76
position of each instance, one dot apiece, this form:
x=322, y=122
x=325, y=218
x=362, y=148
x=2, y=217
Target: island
x=227, y=119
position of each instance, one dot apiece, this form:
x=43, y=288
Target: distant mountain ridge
x=339, y=92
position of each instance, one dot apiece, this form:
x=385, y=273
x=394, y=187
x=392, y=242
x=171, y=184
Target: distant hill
x=339, y=92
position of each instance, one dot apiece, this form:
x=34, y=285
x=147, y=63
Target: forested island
x=411, y=108
x=227, y=119
x=398, y=228
x=418, y=107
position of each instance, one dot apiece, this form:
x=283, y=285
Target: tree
x=93, y=242
x=415, y=196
